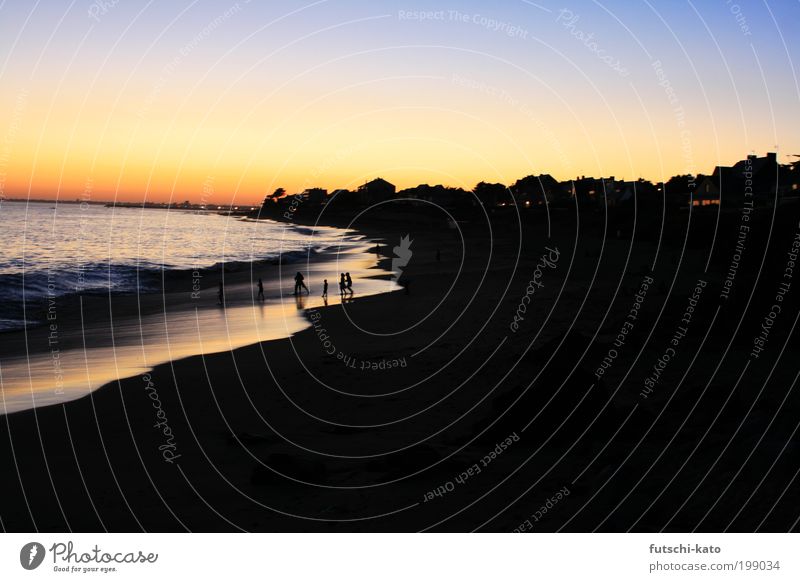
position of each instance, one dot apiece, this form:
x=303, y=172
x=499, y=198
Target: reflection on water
x=29, y=382
x=62, y=250
x=91, y=357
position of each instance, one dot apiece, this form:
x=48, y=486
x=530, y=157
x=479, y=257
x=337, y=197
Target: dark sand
x=282, y=436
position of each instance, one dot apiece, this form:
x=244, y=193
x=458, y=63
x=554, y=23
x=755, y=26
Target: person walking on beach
x=342, y=284
x=299, y=284
x=325, y=288
x=349, y=282
x=221, y=294
x=260, y=289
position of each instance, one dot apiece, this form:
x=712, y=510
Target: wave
x=70, y=257
x=25, y=293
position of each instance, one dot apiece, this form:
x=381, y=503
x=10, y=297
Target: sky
x=224, y=102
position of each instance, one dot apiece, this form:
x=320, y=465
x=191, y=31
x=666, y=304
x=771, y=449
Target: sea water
x=59, y=249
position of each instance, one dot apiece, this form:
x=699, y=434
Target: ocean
x=56, y=250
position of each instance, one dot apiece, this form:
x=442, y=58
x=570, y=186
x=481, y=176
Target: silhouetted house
x=626, y=192
x=645, y=192
x=600, y=191
x=764, y=175
x=707, y=188
x=610, y=192
x=676, y=190
x=438, y=195
x=315, y=195
x=585, y=190
x=491, y=195
x=789, y=182
x=753, y=179
x=379, y=190
x=343, y=197
x=617, y=193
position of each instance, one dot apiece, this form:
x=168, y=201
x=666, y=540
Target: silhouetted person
x=342, y=284
x=260, y=289
x=348, y=282
x=325, y=288
x=299, y=284
x=438, y=256
x=221, y=294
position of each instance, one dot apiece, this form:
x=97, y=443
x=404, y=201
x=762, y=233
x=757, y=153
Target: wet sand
x=88, y=342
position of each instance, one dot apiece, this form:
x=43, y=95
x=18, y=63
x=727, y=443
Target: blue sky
x=265, y=93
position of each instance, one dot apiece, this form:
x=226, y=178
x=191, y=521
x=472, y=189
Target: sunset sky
x=225, y=102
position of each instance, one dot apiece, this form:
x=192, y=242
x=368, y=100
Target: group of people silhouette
x=345, y=284
x=345, y=287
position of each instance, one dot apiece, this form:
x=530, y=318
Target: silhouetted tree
x=645, y=189
x=273, y=197
x=679, y=185
x=535, y=189
x=677, y=188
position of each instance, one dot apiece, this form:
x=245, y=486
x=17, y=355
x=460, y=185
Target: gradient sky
x=223, y=102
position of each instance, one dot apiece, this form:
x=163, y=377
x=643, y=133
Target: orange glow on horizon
x=235, y=147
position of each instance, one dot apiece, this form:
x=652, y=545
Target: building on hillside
x=315, y=195
x=595, y=190
x=584, y=190
x=378, y=190
x=439, y=195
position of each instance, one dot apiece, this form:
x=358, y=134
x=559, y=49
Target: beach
x=86, y=341
x=469, y=399
x=312, y=272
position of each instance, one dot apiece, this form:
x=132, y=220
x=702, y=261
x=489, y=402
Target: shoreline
x=154, y=280
x=75, y=348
